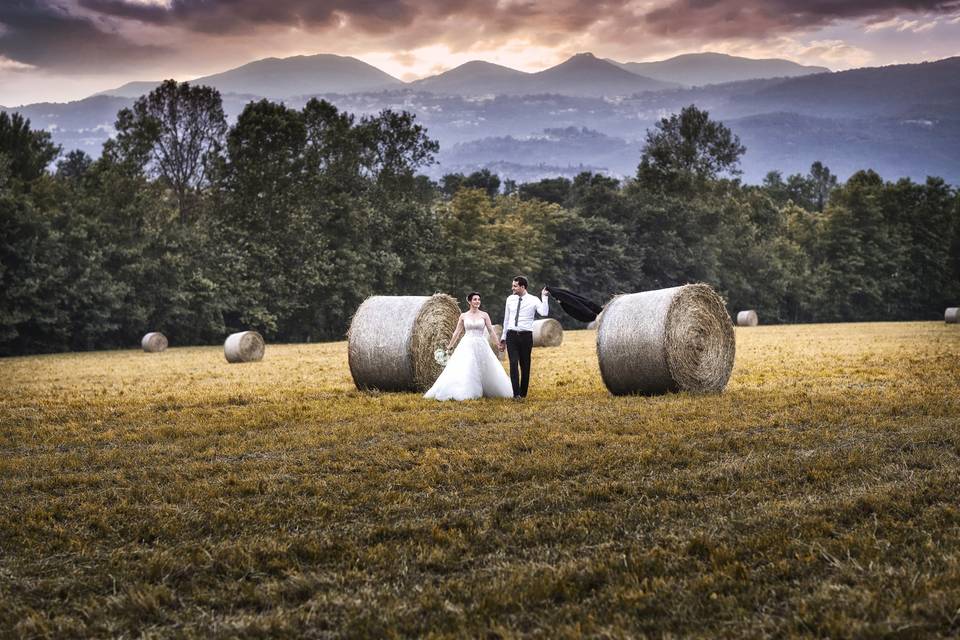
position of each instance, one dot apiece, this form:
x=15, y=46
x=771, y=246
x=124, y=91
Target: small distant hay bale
x=952, y=315
x=154, y=342
x=547, y=333
x=244, y=346
x=747, y=318
x=678, y=339
x=392, y=339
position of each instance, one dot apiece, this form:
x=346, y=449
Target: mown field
x=159, y=495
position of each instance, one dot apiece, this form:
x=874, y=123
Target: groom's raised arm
x=544, y=307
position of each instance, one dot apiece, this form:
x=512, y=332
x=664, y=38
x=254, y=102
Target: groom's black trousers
x=519, y=347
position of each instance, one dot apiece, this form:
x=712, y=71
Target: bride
x=473, y=371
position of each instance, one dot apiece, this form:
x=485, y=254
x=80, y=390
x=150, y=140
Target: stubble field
x=158, y=495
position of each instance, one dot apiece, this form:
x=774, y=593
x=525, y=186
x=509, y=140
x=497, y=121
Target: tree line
x=285, y=221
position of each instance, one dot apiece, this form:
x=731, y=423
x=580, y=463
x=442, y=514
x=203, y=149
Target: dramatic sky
x=58, y=50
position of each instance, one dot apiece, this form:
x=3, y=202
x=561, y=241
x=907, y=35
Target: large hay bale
x=154, y=342
x=747, y=319
x=547, y=333
x=678, y=339
x=244, y=346
x=392, y=339
x=952, y=315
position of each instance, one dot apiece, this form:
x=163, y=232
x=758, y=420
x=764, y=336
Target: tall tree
x=686, y=150
x=396, y=145
x=823, y=183
x=28, y=151
x=175, y=132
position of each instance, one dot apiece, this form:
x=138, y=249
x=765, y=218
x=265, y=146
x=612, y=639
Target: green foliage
x=175, y=132
x=27, y=152
x=484, y=179
x=293, y=217
x=555, y=190
x=811, y=191
x=687, y=150
x=485, y=242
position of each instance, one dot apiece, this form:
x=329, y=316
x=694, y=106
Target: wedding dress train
x=473, y=371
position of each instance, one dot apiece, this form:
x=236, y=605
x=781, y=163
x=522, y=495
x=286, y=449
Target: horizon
x=407, y=81
x=64, y=50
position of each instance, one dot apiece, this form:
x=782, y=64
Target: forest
x=286, y=219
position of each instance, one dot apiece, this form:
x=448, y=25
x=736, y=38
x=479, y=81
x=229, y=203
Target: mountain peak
x=476, y=77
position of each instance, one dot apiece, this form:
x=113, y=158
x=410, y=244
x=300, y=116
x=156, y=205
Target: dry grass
x=177, y=495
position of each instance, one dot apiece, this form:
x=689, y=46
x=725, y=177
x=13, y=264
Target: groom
x=517, y=336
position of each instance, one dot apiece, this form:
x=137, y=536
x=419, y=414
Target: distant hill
x=698, y=69
x=581, y=75
x=473, y=78
x=131, y=89
x=586, y=75
x=900, y=120
x=83, y=124
x=896, y=90
x=553, y=147
x=892, y=147
x=279, y=78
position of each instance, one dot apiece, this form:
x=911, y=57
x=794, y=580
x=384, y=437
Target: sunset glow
x=66, y=49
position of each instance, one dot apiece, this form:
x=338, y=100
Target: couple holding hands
x=473, y=371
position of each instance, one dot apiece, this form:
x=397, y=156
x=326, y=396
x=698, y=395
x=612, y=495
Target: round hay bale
x=154, y=342
x=245, y=346
x=747, y=319
x=678, y=339
x=547, y=333
x=952, y=315
x=392, y=339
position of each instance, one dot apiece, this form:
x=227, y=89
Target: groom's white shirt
x=530, y=305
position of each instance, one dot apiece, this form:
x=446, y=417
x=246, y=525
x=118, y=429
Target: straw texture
x=678, y=339
x=952, y=315
x=245, y=346
x=392, y=339
x=154, y=342
x=747, y=319
x=547, y=333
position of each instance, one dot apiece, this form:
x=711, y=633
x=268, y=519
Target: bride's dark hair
x=473, y=293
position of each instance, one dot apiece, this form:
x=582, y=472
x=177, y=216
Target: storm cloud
x=764, y=18
x=99, y=35
x=719, y=18
x=48, y=36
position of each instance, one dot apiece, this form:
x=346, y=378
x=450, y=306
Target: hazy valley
x=593, y=114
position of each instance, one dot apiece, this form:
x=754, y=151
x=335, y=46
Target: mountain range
x=278, y=78
x=902, y=120
x=581, y=75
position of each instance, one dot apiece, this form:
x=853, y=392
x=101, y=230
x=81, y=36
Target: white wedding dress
x=473, y=371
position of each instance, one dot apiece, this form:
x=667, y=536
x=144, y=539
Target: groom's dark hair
x=520, y=280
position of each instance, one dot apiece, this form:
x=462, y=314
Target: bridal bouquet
x=440, y=355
